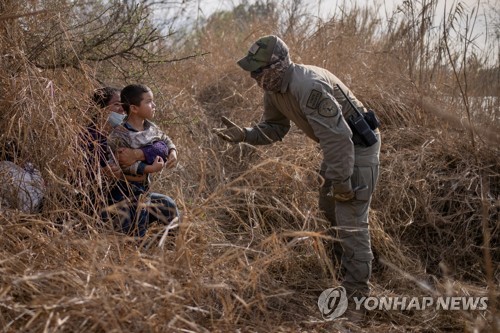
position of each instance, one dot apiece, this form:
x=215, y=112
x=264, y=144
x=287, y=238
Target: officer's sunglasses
x=261, y=69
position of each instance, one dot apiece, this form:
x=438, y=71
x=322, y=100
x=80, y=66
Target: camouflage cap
x=265, y=51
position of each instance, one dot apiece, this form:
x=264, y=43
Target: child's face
x=146, y=109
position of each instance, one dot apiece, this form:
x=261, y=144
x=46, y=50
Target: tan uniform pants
x=350, y=220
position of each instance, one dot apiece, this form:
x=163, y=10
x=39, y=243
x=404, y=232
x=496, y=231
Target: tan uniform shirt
x=309, y=97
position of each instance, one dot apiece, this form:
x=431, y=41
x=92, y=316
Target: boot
x=352, y=314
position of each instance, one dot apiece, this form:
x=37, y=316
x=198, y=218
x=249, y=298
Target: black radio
x=362, y=124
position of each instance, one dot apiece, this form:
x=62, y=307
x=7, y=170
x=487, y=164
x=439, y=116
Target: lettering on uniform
x=328, y=108
x=313, y=100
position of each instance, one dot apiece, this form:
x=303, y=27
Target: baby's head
x=133, y=96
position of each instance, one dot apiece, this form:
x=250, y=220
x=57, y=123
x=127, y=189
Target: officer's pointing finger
x=228, y=122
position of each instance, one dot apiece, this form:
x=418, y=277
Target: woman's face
x=114, y=104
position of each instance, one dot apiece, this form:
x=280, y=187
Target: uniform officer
x=309, y=96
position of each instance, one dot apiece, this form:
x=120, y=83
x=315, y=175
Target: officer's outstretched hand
x=233, y=133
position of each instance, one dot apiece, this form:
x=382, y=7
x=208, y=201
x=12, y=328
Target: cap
x=264, y=51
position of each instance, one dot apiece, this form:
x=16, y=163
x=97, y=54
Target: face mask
x=270, y=78
x=115, y=119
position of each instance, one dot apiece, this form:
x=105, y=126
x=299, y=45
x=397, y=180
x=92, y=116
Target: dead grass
x=252, y=253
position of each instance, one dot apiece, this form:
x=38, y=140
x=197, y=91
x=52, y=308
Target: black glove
x=233, y=133
x=344, y=196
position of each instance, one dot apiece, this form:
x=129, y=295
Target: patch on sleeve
x=328, y=108
x=313, y=100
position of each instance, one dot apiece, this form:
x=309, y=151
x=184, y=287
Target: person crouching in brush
x=106, y=112
x=313, y=98
x=135, y=132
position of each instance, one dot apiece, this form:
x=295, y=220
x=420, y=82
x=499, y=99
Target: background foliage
x=253, y=253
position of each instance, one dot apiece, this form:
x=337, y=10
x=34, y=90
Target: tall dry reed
x=252, y=252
